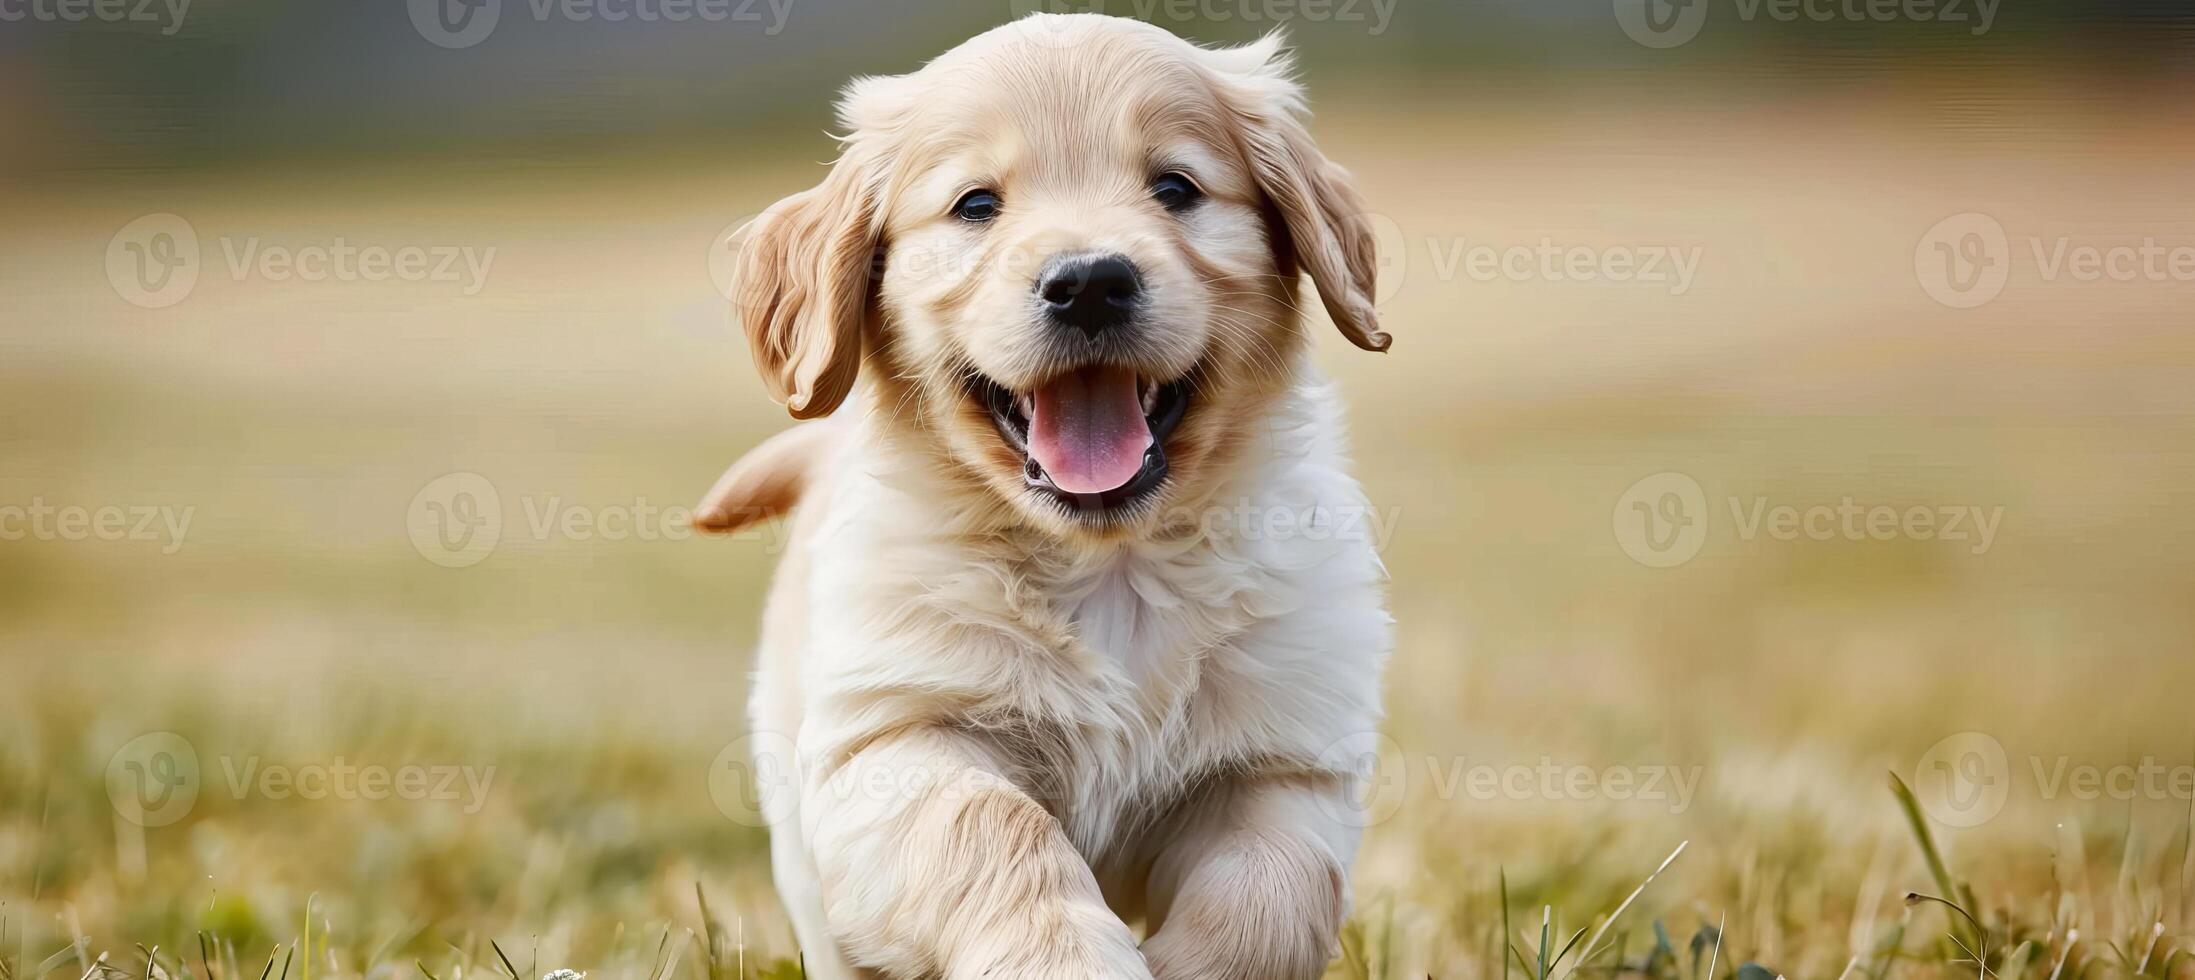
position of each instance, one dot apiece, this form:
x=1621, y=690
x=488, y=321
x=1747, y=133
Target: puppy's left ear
x=805, y=278
x=1327, y=230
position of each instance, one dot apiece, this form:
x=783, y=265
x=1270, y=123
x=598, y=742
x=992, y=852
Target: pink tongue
x=1088, y=430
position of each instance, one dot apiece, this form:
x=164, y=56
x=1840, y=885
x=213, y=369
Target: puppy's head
x=1068, y=253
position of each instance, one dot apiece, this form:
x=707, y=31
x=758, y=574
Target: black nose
x=1091, y=292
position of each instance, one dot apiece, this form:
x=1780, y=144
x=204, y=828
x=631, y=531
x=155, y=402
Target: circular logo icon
x=1661, y=521
x=1054, y=31
x=1379, y=779
x=1661, y=23
x=754, y=780
x=1393, y=263
x=153, y=261
x=456, y=521
x=153, y=779
x=724, y=252
x=455, y=24
x=1964, y=261
x=1963, y=781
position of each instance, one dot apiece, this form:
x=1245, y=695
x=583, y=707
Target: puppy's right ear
x=1324, y=227
x=804, y=281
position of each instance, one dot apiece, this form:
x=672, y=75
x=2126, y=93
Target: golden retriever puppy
x=1073, y=633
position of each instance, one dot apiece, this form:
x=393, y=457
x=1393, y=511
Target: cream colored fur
x=1008, y=742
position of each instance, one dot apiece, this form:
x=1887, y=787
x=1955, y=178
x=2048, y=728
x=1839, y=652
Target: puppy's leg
x=795, y=875
x=934, y=864
x=1256, y=885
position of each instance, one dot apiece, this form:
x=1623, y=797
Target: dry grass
x=600, y=678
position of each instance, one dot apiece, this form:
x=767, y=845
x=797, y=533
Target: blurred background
x=1785, y=394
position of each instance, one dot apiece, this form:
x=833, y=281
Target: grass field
x=564, y=702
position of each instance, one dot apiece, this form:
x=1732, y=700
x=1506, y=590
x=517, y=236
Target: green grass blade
x=507, y=967
x=1506, y=932
x=1546, y=926
x=1567, y=947
x=1919, y=822
x=2016, y=964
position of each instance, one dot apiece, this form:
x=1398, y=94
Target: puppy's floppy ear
x=805, y=276
x=1327, y=231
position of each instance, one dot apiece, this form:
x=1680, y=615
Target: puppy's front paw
x=1268, y=908
x=1179, y=955
x=1103, y=949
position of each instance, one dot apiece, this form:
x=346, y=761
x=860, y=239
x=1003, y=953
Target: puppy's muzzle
x=1091, y=293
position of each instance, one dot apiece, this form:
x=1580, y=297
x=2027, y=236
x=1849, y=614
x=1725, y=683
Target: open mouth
x=1093, y=438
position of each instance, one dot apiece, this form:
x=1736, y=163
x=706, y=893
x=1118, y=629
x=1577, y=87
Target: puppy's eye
x=1174, y=191
x=978, y=206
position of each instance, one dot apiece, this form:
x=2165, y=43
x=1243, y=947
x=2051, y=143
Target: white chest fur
x=1107, y=678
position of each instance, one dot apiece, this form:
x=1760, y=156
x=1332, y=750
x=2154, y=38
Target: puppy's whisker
x=1264, y=295
x=1242, y=336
